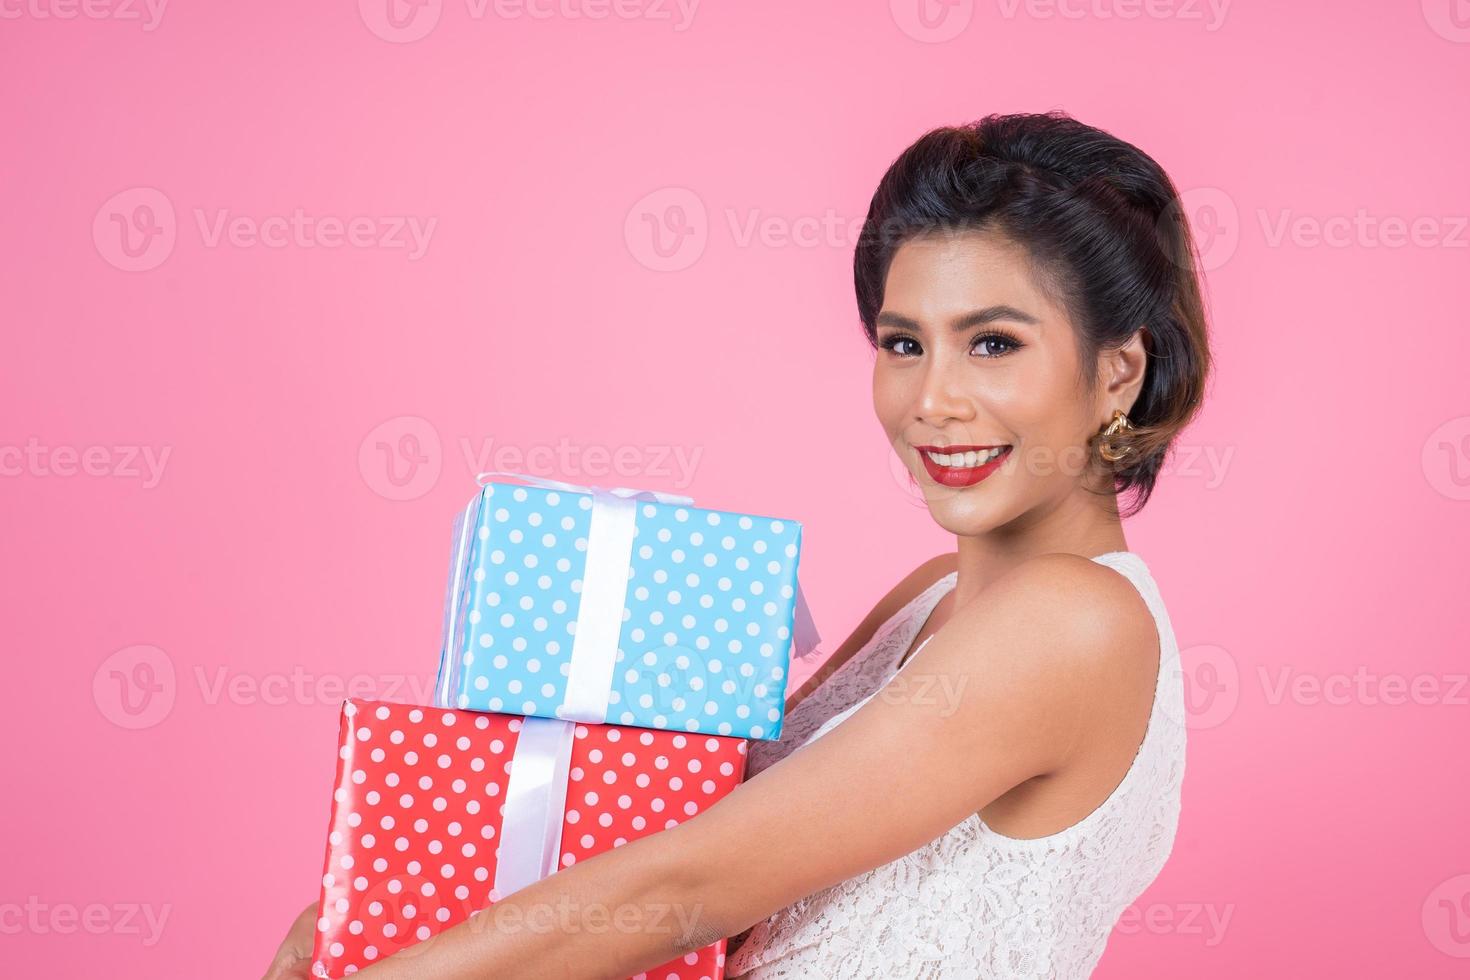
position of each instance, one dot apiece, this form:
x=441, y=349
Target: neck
x=1086, y=528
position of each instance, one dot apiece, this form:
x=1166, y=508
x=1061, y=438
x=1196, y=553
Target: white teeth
x=967, y=460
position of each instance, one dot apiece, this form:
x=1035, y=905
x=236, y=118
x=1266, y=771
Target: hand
x=293, y=959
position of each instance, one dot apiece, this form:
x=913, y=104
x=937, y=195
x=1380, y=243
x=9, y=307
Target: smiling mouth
x=961, y=457
x=961, y=466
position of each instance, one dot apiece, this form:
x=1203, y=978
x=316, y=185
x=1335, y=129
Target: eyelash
x=888, y=343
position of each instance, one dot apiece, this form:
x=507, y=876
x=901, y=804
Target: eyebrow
x=975, y=318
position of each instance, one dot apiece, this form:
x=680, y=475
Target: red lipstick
x=960, y=476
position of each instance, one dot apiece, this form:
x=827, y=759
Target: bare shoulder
x=1055, y=570
x=907, y=589
x=1082, y=624
x=1077, y=598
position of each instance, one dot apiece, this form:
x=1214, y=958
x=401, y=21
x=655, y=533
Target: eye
x=995, y=344
x=893, y=341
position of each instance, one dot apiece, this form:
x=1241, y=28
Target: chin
x=961, y=517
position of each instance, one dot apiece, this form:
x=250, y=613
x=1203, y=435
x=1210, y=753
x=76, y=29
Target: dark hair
x=1103, y=225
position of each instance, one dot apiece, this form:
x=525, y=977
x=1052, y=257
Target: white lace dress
x=974, y=903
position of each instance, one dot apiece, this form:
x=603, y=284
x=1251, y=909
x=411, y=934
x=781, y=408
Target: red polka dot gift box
x=438, y=813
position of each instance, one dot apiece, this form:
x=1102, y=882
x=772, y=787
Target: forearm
x=610, y=916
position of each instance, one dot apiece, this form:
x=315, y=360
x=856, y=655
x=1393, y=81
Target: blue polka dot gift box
x=621, y=606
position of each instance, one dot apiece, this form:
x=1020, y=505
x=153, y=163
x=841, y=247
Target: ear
x=1122, y=371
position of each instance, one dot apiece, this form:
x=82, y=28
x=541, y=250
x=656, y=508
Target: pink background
x=1312, y=528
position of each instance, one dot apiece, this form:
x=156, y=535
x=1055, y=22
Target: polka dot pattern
x=418, y=810
x=707, y=624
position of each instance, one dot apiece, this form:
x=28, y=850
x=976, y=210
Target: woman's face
x=974, y=356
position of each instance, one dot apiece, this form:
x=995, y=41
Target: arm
x=1027, y=660
x=293, y=959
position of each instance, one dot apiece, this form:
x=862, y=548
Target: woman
x=987, y=772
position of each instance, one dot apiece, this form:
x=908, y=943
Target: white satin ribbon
x=535, y=804
x=600, y=613
x=804, y=635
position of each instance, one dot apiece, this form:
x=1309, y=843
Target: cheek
x=1014, y=399
x=889, y=399
x=1033, y=406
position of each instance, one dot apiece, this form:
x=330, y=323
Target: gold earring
x=1118, y=424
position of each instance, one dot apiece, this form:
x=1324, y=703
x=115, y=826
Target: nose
x=942, y=396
